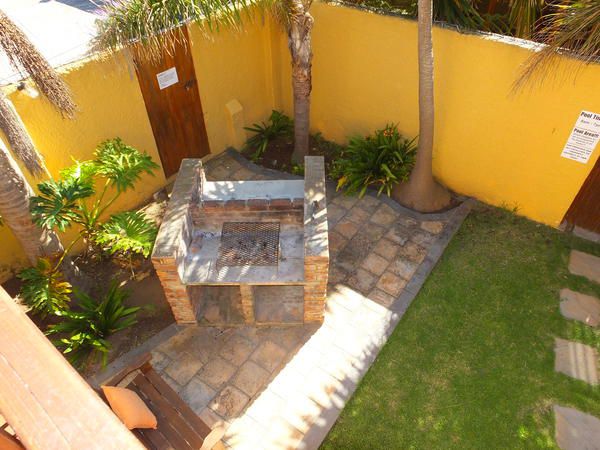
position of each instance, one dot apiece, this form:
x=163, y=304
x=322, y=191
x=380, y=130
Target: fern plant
x=86, y=331
x=127, y=232
x=381, y=160
x=279, y=125
x=44, y=290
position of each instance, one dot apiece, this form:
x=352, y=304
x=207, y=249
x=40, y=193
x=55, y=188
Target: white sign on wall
x=167, y=78
x=583, y=138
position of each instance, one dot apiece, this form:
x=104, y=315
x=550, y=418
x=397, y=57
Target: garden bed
x=278, y=153
x=143, y=285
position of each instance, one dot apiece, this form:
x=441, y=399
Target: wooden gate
x=172, y=99
x=585, y=209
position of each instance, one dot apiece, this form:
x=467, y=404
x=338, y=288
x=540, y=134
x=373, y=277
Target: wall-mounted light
x=28, y=90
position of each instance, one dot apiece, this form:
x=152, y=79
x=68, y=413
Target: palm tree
x=573, y=29
x=15, y=192
x=150, y=27
x=421, y=192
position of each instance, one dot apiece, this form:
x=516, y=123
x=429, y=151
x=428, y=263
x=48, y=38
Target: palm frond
x=22, y=54
x=523, y=16
x=573, y=30
x=151, y=27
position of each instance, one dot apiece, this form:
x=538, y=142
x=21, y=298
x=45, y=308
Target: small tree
x=73, y=200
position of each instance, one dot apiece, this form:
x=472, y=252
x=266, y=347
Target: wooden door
x=585, y=209
x=172, y=99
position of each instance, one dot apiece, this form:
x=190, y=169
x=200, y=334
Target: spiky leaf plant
x=381, y=160
x=44, y=289
x=127, y=232
x=279, y=125
x=86, y=331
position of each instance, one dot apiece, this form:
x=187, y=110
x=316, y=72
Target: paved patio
x=285, y=387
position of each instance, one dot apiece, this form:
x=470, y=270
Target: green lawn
x=470, y=365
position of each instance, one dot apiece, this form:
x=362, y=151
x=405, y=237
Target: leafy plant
x=279, y=125
x=298, y=169
x=87, y=330
x=44, y=290
x=381, y=160
x=65, y=202
x=127, y=232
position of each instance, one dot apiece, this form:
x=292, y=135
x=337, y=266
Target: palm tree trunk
x=14, y=209
x=18, y=138
x=299, y=30
x=422, y=192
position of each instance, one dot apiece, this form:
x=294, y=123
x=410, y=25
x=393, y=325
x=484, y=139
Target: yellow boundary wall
x=502, y=149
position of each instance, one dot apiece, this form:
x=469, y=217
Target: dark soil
x=278, y=154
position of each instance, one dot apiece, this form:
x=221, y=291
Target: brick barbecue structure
x=245, y=252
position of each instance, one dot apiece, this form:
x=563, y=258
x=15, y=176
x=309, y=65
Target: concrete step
x=584, y=264
x=575, y=430
x=576, y=360
x=581, y=307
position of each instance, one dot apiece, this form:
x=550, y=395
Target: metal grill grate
x=249, y=244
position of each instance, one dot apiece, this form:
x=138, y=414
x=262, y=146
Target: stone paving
x=285, y=387
x=574, y=429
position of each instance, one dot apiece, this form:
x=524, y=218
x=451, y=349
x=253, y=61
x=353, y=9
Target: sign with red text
x=583, y=138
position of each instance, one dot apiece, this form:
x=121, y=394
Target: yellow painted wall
x=232, y=65
x=502, y=149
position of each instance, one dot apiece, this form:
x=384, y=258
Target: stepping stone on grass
x=585, y=265
x=575, y=430
x=577, y=306
x=576, y=360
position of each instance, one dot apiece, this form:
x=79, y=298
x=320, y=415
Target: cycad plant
x=279, y=125
x=152, y=27
x=85, y=332
x=382, y=161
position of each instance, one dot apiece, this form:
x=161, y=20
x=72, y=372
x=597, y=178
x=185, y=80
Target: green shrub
x=87, y=330
x=73, y=199
x=279, y=125
x=126, y=233
x=381, y=160
x=44, y=289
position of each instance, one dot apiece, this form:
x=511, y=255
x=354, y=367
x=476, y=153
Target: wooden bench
x=179, y=427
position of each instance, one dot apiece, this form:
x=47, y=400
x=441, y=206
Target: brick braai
x=186, y=249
